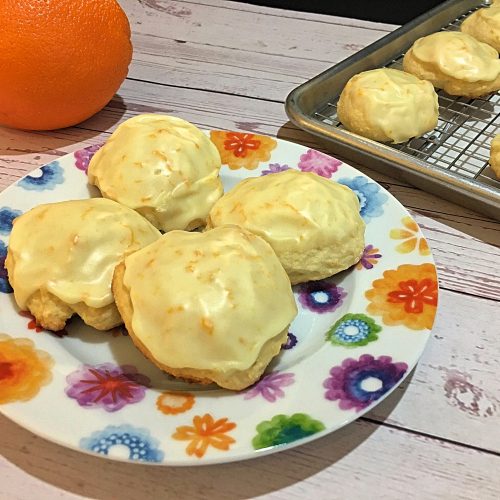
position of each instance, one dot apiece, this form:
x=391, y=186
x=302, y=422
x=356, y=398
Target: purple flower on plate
x=274, y=168
x=270, y=386
x=106, y=386
x=291, y=341
x=319, y=163
x=321, y=296
x=355, y=384
x=83, y=156
x=369, y=257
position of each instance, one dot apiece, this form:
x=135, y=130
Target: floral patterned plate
x=356, y=337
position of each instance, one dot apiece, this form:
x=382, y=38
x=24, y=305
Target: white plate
x=356, y=337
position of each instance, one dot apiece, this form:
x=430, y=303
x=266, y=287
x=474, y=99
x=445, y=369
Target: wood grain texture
x=362, y=460
x=284, y=13
x=230, y=65
x=454, y=392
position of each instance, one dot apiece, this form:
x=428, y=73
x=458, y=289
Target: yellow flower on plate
x=205, y=432
x=172, y=403
x=24, y=370
x=242, y=149
x=411, y=236
x=405, y=296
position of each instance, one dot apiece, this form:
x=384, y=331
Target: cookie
x=312, y=224
x=163, y=167
x=207, y=307
x=495, y=155
x=388, y=105
x=455, y=62
x=484, y=25
x=61, y=259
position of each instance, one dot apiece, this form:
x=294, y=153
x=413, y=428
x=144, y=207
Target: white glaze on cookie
x=313, y=224
x=208, y=301
x=71, y=249
x=387, y=104
x=458, y=55
x=163, y=167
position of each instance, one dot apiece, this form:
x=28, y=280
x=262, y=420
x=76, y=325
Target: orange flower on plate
x=411, y=236
x=242, y=149
x=205, y=432
x=23, y=369
x=172, y=403
x=405, y=296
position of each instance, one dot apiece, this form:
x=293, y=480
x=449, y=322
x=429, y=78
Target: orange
x=61, y=61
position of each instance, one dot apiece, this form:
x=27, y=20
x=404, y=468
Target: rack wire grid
x=461, y=141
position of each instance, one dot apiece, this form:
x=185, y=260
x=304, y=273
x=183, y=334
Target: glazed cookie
x=484, y=25
x=163, y=167
x=388, y=105
x=313, y=224
x=495, y=155
x=65, y=265
x=455, y=62
x=207, y=307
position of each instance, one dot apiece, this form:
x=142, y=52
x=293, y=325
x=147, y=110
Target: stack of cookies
x=207, y=306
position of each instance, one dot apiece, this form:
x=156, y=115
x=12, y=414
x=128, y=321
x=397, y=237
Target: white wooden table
x=229, y=65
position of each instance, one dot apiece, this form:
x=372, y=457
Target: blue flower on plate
x=7, y=215
x=52, y=174
x=321, y=296
x=4, y=281
x=356, y=383
x=125, y=442
x=371, y=199
x=353, y=330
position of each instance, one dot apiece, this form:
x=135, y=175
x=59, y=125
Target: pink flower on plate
x=107, y=386
x=319, y=163
x=83, y=156
x=270, y=386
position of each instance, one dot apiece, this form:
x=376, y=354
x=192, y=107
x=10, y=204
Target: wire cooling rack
x=460, y=143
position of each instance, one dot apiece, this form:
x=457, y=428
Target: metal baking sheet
x=451, y=161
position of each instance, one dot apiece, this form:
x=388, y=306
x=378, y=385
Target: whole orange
x=61, y=61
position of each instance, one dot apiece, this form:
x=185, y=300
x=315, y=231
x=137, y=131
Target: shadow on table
x=18, y=142
x=475, y=224
x=100, y=478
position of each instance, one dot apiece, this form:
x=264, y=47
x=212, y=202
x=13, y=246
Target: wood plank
x=238, y=49
x=214, y=110
x=235, y=24
x=360, y=461
x=465, y=264
x=17, y=485
x=284, y=13
x=456, y=380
